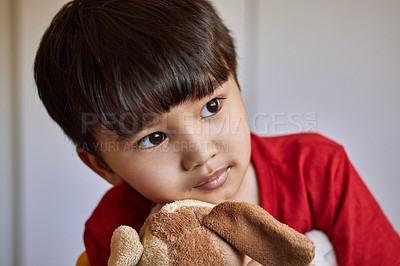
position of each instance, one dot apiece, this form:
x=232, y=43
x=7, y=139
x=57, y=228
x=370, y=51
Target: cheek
x=238, y=131
x=239, y=145
x=151, y=176
x=152, y=183
x=238, y=138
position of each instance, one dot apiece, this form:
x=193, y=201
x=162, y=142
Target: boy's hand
x=250, y=262
x=254, y=263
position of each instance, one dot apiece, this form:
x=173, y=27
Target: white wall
x=341, y=61
x=57, y=193
x=337, y=59
x=6, y=185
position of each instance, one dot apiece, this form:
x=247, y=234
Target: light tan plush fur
x=126, y=240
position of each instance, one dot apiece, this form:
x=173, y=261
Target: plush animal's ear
x=254, y=232
x=126, y=248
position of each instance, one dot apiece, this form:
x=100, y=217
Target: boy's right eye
x=151, y=140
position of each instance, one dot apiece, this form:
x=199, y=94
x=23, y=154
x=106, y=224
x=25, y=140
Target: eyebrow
x=146, y=123
x=150, y=121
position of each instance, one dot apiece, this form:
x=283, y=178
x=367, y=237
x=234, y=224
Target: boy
x=147, y=91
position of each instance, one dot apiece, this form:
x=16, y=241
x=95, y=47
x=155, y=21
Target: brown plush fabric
x=255, y=232
x=188, y=242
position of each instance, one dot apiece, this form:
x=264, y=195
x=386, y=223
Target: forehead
x=130, y=111
x=148, y=121
x=192, y=107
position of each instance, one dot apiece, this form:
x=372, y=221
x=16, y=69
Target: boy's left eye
x=151, y=140
x=211, y=108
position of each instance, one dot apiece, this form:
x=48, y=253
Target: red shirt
x=305, y=180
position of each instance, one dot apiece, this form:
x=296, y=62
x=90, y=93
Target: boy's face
x=198, y=150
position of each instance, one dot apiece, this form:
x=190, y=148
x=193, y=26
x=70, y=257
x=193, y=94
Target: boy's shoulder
x=296, y=145
x=296, y=139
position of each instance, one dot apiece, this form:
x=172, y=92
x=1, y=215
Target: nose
x=196, y=150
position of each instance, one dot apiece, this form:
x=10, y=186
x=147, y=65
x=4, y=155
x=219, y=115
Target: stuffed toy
x=191, y=232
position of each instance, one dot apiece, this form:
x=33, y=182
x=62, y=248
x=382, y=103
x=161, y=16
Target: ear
x=254, y=232
x=126, y=248
x=99, y=167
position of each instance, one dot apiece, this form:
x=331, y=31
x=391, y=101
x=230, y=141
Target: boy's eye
x=211, y=108
x=152, y=140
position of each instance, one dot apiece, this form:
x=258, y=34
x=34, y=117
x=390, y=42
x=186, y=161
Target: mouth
x=214, y=180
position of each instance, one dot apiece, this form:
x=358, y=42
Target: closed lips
x=214, y=180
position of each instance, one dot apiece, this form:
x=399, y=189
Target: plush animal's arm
x=254, y=232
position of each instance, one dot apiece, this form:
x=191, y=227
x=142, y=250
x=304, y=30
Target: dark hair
x=113, y=64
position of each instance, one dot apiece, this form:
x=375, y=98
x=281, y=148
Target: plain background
x=326, y=66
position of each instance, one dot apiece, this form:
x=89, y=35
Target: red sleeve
x=345, y=209
x=308, y=182
x=121, y=205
